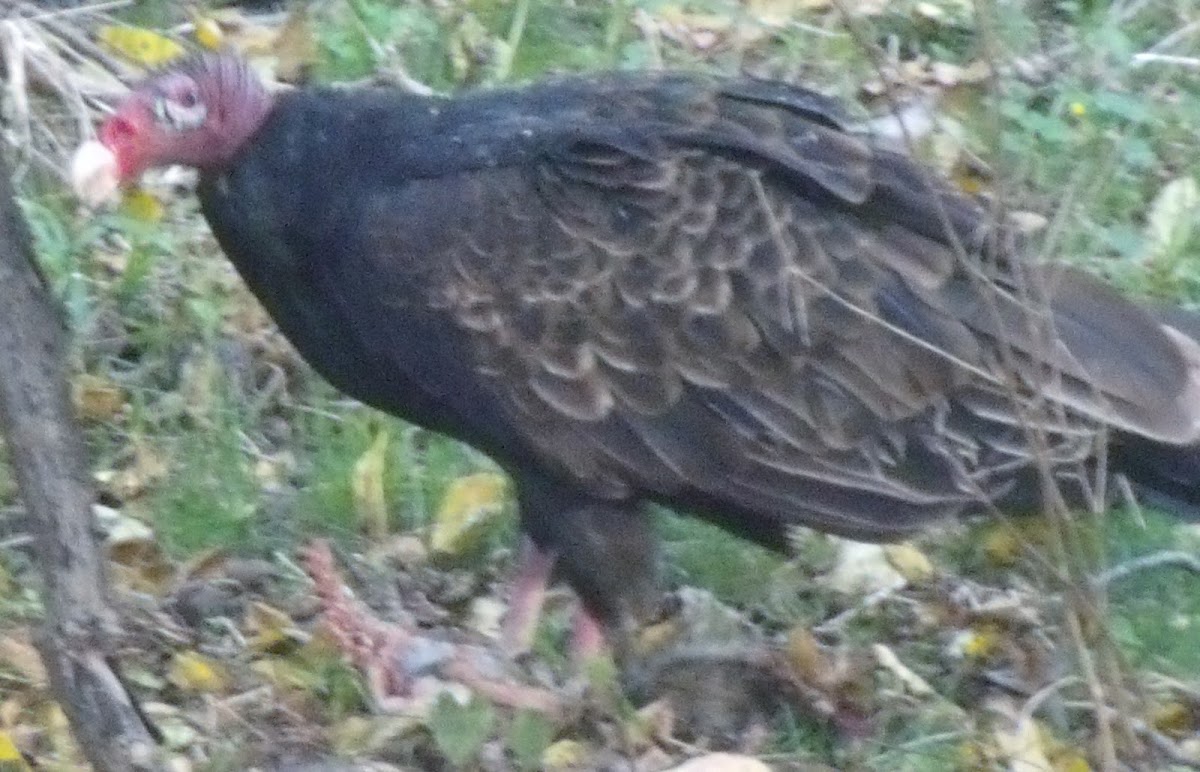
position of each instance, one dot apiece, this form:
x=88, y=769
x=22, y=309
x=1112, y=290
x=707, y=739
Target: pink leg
x=587, y=637
x=526, y=598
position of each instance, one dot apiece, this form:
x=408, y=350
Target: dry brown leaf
x=295, y=46
x=208, y=564
x=18, y=655
x=805, y=657
x=148, y=466
x=96, y=398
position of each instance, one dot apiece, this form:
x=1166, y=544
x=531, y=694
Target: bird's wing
x=727, y=301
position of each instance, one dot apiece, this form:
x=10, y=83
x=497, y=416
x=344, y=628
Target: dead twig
x=37, y=418
x=1173, y=558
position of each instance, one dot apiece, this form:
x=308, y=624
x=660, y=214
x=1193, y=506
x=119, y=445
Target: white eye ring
x=170, y=113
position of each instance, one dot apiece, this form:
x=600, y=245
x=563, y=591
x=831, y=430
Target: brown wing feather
x=753, y=311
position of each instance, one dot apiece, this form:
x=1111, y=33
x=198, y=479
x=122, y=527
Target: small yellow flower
x=1078, y=109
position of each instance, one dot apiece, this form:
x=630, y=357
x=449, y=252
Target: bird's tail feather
x=1163, y=475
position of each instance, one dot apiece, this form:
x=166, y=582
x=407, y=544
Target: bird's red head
x=198, y=113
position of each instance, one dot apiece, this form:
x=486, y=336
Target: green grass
x=1155, y=614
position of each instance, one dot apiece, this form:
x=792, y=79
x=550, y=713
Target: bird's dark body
x=695, y=291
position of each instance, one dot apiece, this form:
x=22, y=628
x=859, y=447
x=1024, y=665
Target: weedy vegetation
x=215, y=446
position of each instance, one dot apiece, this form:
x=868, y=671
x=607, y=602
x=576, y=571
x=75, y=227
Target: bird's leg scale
x=527, y=597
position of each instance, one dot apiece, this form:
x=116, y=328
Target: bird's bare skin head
x=197, y=113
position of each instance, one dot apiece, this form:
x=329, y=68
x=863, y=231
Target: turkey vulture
x=706, y=292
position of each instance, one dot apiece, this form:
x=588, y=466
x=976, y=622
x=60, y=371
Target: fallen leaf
x=18, y=655
x=366, y=483
x=10, y=757
x=468, y=508
x=141, y=205
x=208, y=32
x=1019, y=742
x=1173, y=718
x=912, y=564
x=96, y=398
x=148, y=466
x=913, y=683
x=722, y=762
x=191, y=671
x=805, y=657
x=863, y=569
x=980, y=642
x=1172, y=218
x=270, y=629
x=295, y=46
x=138, y=45
x=564, y=755
x=208, y=564
x=486, y=616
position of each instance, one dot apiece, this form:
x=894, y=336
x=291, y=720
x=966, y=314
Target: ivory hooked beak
x=94, y=176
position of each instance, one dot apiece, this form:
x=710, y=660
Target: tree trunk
x=48, y=455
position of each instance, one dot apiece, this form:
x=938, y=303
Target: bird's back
x=701, y=291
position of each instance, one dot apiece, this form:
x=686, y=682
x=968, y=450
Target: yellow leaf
x=1001, y=544
x=1019, y=741
x=270, y=628
x=981, y=642
x=564, y=754
x=138, y=45
x=139, y=204
x=208, y=32
x=1071, y=762
x=191, y=671
x=10, y=757
x=96, y=398
x=366, y=484
x=1004, y=543
x=909, y=561
x=468, y=507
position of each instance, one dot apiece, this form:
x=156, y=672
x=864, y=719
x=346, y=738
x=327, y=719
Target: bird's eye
x=182, y=113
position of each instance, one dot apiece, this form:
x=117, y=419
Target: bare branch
x=48, y=455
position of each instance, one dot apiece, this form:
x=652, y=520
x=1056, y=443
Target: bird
x=710, y=292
